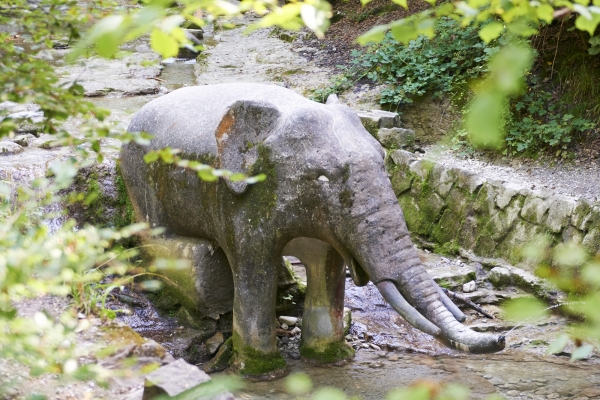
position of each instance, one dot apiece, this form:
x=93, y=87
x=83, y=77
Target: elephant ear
x=245, y=125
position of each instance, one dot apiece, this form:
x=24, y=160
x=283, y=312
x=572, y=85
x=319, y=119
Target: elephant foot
x=255, y=364
x=329, y=353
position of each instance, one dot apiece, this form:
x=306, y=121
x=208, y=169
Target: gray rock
x=452, y=276
x=499, y=276
x=396, y=138
x=24, y=139
x=213, y=344
x=496, y=381
x=289, y=321
x=387, y=119
x=469, y=287
x=285, y=327
x=173, y=379
x=559, y=211
x=7, y=148
x=126, y=76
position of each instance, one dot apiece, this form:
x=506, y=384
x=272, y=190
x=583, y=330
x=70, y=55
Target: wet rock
x=173, y=379
x=289, y=321
x=9, y=148
x=189, y=51
x=469, y=287
x=24, y=139
x=499, y=276
x=452, y=276
x=43, y=142
x=396, y=138
x=496, y=381
x=213, y=344
x=222, y=359
x=125, y=76
x=376, y=119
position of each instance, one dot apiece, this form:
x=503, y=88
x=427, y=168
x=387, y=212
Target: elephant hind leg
x=322, y=320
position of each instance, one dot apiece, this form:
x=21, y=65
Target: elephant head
x=332, y=185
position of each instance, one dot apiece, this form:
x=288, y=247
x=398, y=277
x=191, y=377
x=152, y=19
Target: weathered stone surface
x=403, y=158
x=396, y=138
x=559, y=211
x=24, y=139
x=452, y=276
x=213, y=343
x=126, y=76
x=442, y=179
x=468, y=180
x=222, y=359
x=534, y=209
x=469, y=287
x=583, y=215
x=507, y=192
x=401, y=181
x=591, y=241
x=421, y=168
x=387, y=119
x=8, y=147
x=207, y=284
x=290, y=321
x=375, y=119
x=499, y=276
x=173, y=379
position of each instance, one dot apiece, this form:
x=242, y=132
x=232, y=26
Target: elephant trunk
x=384, y=249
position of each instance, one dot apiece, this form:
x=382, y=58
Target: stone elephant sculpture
x=327, y=199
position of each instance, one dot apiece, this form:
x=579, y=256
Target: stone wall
x=452, y=209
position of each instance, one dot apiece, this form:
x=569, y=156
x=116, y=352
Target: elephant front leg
x=254, y=341
x=322, y=321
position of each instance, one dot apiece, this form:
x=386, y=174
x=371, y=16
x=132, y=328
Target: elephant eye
x=323, y=178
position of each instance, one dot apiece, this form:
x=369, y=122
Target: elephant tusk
x=453, y=308
x=391, y=294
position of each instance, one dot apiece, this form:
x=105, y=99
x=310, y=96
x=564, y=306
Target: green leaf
x=163, y=44
x=207, y=175
x=329, y=393
x=491, y=31
x=582, y=352
x=558, y=344
x=151, y=157
x=256, y=179
x=373, y=35
x=545, y=12
x=484, y=119
x=402, y=3
x=588, y=25
x=298, y=384
x=525, y=309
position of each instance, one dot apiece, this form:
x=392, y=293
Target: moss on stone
x=124, y=213
x=449, y=248
x=254, y=363
x=263, y=194
x=330, y=353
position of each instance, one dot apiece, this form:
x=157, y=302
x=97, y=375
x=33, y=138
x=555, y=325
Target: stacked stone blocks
x=452, y=208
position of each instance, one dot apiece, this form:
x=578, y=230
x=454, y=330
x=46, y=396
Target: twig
x=556, y=52
x=468, y=302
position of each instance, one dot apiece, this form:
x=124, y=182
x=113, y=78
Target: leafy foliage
x=537, y=121
x=443, y=65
